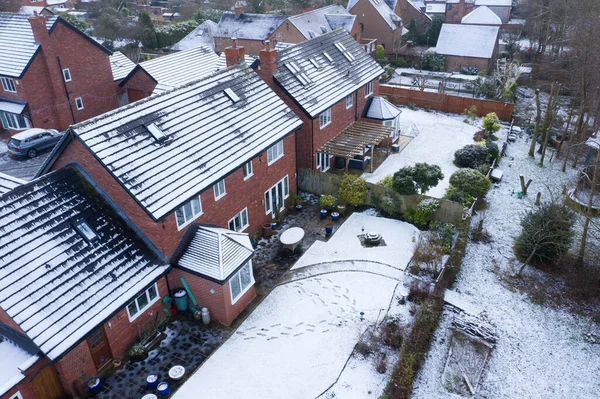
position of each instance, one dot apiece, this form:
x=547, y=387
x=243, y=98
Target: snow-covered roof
x=222, y=61
x=60, y=279
x=467, y=40
x=29, y=10
x=329, y=81
x=494, y=3
x=481, y=16
x=249, y=26
x=593, y=142
x=203, y=35
x=55, y=2
x=19, y=353
x=323, y=20
x=7, y=183
x=179, y=68
x=17, y=45
x=386, y=13
x=435, y=8
x=214, y=252
x=120, y=65
x=12, y=106
x=380, y=108
x=207, y=136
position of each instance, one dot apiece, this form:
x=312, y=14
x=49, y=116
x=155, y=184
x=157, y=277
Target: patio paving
x=187, y=343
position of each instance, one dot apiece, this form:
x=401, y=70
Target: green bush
x=455, y=195
x=471, y=156
x=432, y=61
x=547, y=233
x=444, y=232
x=421, y=176
x=327, y=201
x=491, y=124
x=425, y=211
x=412, y=106
x=380, y=52
x=400, y=63
x=353, y=190
x=167, y=35
x=387, y=181
x=493, y=150
x=470, y=182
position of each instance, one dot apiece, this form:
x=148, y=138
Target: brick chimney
x=238, y=9
x=39, y=28
x=268, y=61
x=234, y=54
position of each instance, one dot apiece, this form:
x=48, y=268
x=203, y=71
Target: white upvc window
x=219, y=189
x=67, y=74
x=188, y=212
x=276, y=195
x=247, y=168
x=14, y=121
x=79, y=103
x=369, y=89
x=325, y=118
x=142, y=302
x=349, y=100
x=241, y=282
x=18, y=394
x=9, y=85
x=275, y=152
x=240, y=221
x=323, y=161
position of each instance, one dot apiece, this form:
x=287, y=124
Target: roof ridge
x=316, y=9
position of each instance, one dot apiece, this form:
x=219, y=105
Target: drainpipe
x=312, y=142
x=66, y=91
x=356, y=107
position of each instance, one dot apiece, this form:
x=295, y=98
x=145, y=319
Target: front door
x=99, y=347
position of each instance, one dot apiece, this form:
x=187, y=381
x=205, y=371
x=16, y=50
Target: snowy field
x=298, y=342
x=440, y=135
x=540, y=351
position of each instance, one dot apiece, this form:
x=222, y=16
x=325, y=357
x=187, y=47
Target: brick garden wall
x=445, y=102
x=75, y=368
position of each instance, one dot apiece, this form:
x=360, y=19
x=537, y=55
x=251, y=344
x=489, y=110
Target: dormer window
x=155, y=131
x=231, y=94
x=84, y=229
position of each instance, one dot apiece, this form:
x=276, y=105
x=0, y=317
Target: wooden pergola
x=353, y=140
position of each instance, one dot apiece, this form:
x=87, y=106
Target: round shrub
x=424, y=212
x=387, y=181
x=470, y=182
x=403, y=182
x=471, y=156
x=493, y=149
x=353, y=190
x=327, y=201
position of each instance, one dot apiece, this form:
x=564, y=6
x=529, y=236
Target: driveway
x=22, y=168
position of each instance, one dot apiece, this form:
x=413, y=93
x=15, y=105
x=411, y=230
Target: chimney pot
x=267, y=45
x=238, y=9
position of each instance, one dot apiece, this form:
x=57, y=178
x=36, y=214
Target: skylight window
x=231, y=94
x=297, y=72
x=314, y=62
x=86, y=231
x=156, y=132
x=345, y=51
x=327, y=56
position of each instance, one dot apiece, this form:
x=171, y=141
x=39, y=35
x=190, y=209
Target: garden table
x=291, y=238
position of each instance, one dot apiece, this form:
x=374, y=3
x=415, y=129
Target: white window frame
x=17, y=395
x=323, y=161
x=237, y=275
x=248, y=170
x=12, y=121
x=275, y=152
x=219, y=191
x=150, y=302
x=351, y=103
x=285, y=193
x=194, y=213
x=8, y=84
x=368, y=89
x=78, y=102
x=66, y=72
x=325, y=118
x=240, y=217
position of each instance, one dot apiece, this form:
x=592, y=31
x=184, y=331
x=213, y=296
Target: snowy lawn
x=440, y=135
x=541, y=351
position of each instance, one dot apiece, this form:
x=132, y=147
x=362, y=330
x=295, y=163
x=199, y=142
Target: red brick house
x=377, y=20
x=52, y=74
x=464, y=45
x=327, y=81
x=78, y=281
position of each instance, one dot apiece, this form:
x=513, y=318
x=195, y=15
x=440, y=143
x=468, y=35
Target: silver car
x=32, y=141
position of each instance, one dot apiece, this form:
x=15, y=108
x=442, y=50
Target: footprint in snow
x=268, y=339
x=261, y=334
x=284, y=333
x=324, y=331
x=275, y=325
x=310, y=329
x=264, y=329
x=295, y=335
x=299, y=324
x=250, y=338
x=311, y=325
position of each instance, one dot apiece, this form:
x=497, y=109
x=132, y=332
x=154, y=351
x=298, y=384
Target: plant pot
x=341, y=209
x=273, y=226
x=328, y=230
x=163, y=388
x=335, y=216
x=267, y=230
x=299, y=207
x=323, y=213
x=152, y=381
x=176, y=372
x=117, y=363
x=93, y=385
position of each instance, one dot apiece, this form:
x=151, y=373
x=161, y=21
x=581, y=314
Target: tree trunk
x=588, y=212
x=538, y=117
x=574, y=136
x=564, y=135
x=524, y=186
x=547, y=118
x=529, y=258
x=548, y=129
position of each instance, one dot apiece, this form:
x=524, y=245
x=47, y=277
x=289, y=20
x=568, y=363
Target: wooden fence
x=316, y=182
x=445, y=102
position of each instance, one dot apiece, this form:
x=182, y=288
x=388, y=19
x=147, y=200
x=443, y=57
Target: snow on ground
x=438, y=75
x=440, y=135
x=296, y=342
x=400, y=238
x=540, y=352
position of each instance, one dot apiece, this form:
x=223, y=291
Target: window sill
x=179, y=228
x=249, y=176
x=234, y=300
x=325, y=125
x=275, y=160
x=220, y=196
x=142, y=311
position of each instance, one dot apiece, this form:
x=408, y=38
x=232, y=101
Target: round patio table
x=291, y=238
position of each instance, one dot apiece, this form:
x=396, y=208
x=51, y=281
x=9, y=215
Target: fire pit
x=373, y=238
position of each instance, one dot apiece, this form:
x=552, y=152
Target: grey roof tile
x=120, y=65
x=467, y=40
x=323, y=20
x=249, y=26
x=8, y=183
